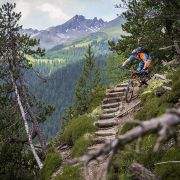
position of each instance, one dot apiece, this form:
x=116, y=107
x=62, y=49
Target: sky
x=41, y=14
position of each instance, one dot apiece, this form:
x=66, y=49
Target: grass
x=115, y=30
x=170, y=170
x=70, y=173
x=51, y=163
x=152, y=107
x=77, y=128
x=81, y=145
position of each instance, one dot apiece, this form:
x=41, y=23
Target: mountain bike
x=136, y=80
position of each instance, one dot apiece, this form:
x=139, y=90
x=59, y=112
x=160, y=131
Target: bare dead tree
x=163, y=126
x=32, y=115
x=23, y=113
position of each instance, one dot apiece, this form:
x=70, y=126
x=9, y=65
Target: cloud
x=42, y=14
x=53, y=11
x=24, y=8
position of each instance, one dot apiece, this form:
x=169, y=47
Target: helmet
x=139, y=49
x=134, y=52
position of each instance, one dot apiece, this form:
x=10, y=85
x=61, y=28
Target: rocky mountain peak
x=77, y=26
x=78, y=17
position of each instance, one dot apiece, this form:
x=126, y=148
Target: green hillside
x=114, y=31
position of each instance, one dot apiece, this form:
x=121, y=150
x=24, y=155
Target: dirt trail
x=115, y=112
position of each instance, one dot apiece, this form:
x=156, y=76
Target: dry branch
x=175, y=45
x=162, y=126
x=166, y=162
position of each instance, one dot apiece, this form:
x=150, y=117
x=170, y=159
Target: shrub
x=149, y=110
x=77, y=128
x=81, y=145
x=51, y=163
x=97, y=99
x=152, y=107
x=69, y=173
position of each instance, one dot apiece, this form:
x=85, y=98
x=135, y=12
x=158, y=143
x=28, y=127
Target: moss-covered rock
x=51, y=163
x=70, y=173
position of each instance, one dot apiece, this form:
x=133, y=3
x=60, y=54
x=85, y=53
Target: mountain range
x=72, y=30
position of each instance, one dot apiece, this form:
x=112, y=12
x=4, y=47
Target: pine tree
x=14, y=48
x=151, y=24
x=87, y=84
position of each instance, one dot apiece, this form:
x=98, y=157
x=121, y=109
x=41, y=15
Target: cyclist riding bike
x=144, y=59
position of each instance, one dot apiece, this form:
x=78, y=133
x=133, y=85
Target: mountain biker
x=142, y=56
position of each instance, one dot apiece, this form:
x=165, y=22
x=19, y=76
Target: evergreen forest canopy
x=149, y=23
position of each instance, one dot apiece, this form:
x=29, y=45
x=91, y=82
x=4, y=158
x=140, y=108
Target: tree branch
x=165, y=122
x=167, y=162
x=23, y=141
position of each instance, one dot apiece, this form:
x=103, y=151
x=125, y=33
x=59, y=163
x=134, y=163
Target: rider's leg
x=139, y=69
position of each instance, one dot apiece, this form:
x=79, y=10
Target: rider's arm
x=131, y=58
x=125, y=62
x=147, y=61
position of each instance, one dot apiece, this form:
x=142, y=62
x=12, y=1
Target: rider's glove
x=123, y=68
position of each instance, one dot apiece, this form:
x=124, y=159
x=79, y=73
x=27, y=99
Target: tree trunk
x=23, y=113
x=34, y=119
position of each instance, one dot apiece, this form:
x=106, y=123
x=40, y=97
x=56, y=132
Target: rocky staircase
x=107, y=124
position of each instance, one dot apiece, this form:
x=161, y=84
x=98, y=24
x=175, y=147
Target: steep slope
x=107, y=126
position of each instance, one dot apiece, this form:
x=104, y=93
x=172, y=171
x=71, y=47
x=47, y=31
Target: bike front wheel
x=129, y=91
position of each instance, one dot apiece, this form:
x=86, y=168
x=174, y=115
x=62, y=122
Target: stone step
x=111, y=100
x=115, y=94
x=110, y=105
x=107, y=116
x=110, y=110
x=95, y=147
x=119, y=89
x=122, y=85
x=107, y=132
x=114, y=128
x=105, y=123
x=104, y=139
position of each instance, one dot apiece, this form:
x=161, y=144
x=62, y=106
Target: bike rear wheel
x=129, y=91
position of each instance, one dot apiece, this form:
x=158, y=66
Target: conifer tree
x=14, y=48
x=87, y=84
x=151, y=24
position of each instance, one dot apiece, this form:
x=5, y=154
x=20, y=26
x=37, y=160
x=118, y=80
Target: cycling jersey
x=145, y=61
